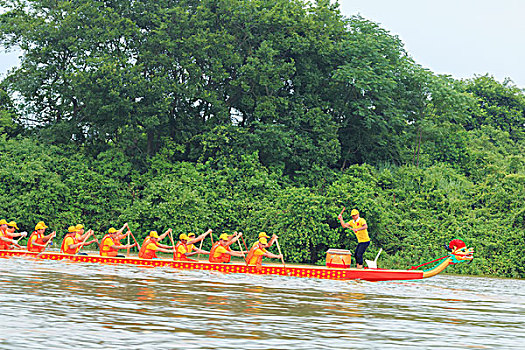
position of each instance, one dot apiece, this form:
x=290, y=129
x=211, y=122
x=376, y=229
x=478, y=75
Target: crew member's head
x=183, y=238
x=191, y=236
x=11, y=226
x=112, y=230
x=3, y=224
x=154, y=235
x=80, y=228
x=223, y=238
x=355, y=214
x=263, y=238
x=40, y=227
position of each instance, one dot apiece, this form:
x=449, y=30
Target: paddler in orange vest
x=151, y=246
x=7, y=235
x=5, y=240
x=191, y=249
x=110, y=243
x=258, y=251
x=267, y=245
x=81, y=236
x=221, y=252
x=38, y=241
x=74, y=241
x=181, y=249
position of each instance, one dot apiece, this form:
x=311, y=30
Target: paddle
x=84, y=242
x=23, y=235
x=133, y=236
x=242, y=251
x=49, y=240
x=127, y=253
x=173, y=245
x=281, y=254
x=243, y=241
x=200, y=246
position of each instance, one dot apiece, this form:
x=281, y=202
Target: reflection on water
x=49, y=304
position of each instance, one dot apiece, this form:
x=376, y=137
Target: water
x=50, y=304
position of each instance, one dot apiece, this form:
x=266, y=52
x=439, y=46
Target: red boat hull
x=292, y=271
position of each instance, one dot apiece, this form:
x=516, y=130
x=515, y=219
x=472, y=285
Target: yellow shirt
x=191, y=247
x=219, y=250
x=69, y=241
x=152, y=246
x=106, y=245
x=182, y=249
x=362, y=235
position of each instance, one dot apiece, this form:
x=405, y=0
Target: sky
x=461, y=38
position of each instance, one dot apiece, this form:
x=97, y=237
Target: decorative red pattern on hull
x=293, y=271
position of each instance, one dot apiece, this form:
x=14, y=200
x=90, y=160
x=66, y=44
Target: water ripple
x=49, y=304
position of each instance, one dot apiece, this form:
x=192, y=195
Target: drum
x=338, y=258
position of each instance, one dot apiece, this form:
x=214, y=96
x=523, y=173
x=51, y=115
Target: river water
x=52, y=304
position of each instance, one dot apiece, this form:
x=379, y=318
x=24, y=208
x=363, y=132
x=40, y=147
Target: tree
x=501, y=105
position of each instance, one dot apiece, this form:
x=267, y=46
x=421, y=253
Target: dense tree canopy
x=255, y=115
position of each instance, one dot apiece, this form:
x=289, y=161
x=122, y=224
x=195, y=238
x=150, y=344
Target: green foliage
x=262, y=115
x=501, y=105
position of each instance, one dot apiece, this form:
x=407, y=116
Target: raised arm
x=162, y=236
x=340, y=217
x=200, y=238
x=234, y=239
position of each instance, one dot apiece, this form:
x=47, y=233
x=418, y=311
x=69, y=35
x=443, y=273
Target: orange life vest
x=179, y=256
x=106, y=250
x=143, y=247
x=38, y=240
x=4, y=245
x=223, y=258
x=146, y=253
x=251, y=254
x=67, y=250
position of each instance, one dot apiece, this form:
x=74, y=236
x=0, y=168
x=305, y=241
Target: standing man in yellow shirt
x=360, y=228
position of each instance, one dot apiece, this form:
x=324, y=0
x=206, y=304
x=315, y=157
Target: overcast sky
x=456, y=37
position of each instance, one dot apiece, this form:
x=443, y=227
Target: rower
x=5, y=241
x=7, y=235
x=109, y=246
x=269, y=244
x=74, y=241
x=118, y=236
x=38, y=241
x=258, y=251
x=160, y=238
x=81, y=236
x=181, y=249
x=151, y=245
x=221, y=252
x=192, y=250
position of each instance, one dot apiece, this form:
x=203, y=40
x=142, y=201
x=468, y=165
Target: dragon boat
x=456, y=255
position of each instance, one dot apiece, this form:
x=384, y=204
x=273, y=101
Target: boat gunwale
x=293, y=270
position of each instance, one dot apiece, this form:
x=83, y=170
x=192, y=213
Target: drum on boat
x=338, y=258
